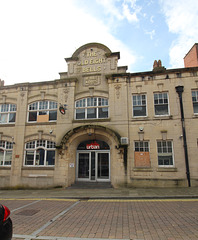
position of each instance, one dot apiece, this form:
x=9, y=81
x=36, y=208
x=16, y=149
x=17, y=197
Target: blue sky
x=36, y=35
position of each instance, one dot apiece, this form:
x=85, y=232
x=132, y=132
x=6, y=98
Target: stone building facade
x=99, y=123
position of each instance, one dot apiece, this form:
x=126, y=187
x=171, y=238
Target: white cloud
x=150, y=33
x=37, y=35
x=131, y=14
x=152, y=19
x=121, y=9
x=131, y=17
x=111, y=8
x=182, y=18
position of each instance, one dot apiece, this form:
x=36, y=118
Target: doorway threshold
x=90, y=185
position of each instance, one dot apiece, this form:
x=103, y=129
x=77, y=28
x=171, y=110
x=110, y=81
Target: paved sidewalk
x=130, y=193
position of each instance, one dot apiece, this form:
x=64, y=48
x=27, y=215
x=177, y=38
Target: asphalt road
x=73, y=219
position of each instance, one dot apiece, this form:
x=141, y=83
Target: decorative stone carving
x=22, y=94
x=40, y=133
x=93, y=80
x=42, y=95
x=117, y=90
x=91, y=91
x=65, y=93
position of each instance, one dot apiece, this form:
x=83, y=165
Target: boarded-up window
x=141, y=154
x=42, y=118
x=142, y=159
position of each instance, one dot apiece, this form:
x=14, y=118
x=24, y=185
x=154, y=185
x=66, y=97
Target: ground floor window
x=40, y=153
x=165, y=153
x=6, y=153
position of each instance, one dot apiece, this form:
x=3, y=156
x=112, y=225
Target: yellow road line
x=44, y=199
x=143, y=200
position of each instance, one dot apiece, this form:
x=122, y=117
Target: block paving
x=165, y=219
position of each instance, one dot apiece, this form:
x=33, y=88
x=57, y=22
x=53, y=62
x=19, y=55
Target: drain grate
x=28, y=212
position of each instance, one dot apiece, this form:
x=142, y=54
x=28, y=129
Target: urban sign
x=93, y=146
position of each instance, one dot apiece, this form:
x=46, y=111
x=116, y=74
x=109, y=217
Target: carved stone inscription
x=91, y=62
x=91, y=81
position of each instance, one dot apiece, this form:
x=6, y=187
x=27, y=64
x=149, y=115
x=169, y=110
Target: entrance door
x=93, y=166
x=83, y=165
x=102, y=165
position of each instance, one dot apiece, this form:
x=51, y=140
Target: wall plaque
x=91, y=81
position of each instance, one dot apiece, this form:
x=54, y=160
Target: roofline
x=166, y=71
x=127, y=74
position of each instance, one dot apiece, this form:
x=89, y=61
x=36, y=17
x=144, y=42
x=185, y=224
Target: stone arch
x=67, y=150
x=90, y=45
x=88, y=132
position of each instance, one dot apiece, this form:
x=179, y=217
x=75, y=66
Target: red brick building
x=191, y=58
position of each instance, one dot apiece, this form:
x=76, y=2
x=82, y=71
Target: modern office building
x=100, y=123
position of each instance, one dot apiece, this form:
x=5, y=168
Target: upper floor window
x=139, y=105
x=195, y=101
x=6, y=153
x=42, y=111
x=40, y=153
x=7, y=113
x=161, y=104
x=165, y=153
x=141, y=146
x=92, y=107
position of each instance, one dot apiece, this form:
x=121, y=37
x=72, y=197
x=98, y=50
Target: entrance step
x=91, y=185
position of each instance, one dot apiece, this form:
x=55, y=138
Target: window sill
x=167, y=169
x=92, y=120
x=195, y=115
x=163, y=117
x=140, y=118
x=40, y=123
x=7, y=124
x=142, y=169
x=38, y=175
x=5, y=167
x=38, y=168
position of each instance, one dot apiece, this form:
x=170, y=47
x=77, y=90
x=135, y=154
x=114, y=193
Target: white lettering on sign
x=93, y=146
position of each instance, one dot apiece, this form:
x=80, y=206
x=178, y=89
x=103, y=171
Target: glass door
x=103, y=172
x=93, y=166
x=83, y=165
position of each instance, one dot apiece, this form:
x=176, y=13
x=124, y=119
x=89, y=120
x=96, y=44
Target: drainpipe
x=179, y=90
x=125, y=159
x=126, y=147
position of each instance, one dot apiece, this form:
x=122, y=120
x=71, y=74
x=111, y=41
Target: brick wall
x=191, y=58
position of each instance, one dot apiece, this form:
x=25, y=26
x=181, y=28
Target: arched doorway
x=93, y=161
